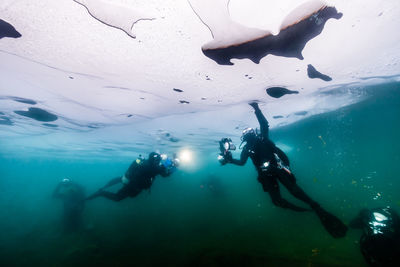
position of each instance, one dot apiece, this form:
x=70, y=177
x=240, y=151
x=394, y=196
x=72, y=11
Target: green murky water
x=213, y=216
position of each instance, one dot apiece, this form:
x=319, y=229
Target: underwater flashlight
x=185, y=156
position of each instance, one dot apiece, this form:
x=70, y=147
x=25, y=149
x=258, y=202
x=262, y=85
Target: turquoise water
x=212, y=215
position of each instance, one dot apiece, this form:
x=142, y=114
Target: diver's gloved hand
x=225, y=158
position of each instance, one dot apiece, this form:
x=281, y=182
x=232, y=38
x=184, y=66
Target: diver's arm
x=243, y=158
x=264, y=126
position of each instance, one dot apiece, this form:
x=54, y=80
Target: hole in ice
x=7, y=30
x=24, y=100
x=50, y=125
x=5, y=120
x=278, y=92
x=313, y=73
x=37, y=114
x=301, y=113
x=233, y=40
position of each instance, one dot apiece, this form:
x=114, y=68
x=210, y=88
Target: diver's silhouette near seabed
x=73, y=197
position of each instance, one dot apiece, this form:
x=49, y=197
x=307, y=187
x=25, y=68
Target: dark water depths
x=212, y=216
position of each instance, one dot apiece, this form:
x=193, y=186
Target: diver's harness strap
x=266, y=166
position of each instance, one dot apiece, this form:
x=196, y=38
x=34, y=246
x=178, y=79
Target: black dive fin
x=331, y=223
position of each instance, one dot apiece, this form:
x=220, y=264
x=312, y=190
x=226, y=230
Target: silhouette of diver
x=272, y=166
x=380, y=241
x=140, y=175
x=73, y=196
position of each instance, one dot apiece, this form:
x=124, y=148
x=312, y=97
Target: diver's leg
x=271, y=186
x=99, y=192
x=114, y=181
x=289, y=181
x=113, y=196
x=124, y=192
x=331, y=223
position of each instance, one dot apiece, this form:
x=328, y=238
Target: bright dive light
x=185, y=156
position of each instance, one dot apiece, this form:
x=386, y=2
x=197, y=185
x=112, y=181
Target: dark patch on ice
x=301, y=113
x=24, y=100
x=168, y=137
x=37, y=114
x=203, y=98
x=5, y=120
x=277, y=117
x=71, y=77
x=7, y=30
x=278, y=92
x=50, y=125
x=130, y=115
x=219, y=101
x=184, y=102
x=313, y=73
x=142, y=98
x=95, y=125
x=208, y=78
x=380, y=14
x=290, y=41
x=178, y=90
x=173, y=139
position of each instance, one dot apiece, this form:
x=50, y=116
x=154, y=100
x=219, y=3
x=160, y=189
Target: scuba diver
x=272, y=166
x=140, y=175
x=73, y=196
x=380, y=241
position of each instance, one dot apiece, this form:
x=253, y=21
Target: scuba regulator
x=225, y=147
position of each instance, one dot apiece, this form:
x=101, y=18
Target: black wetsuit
x=265, y=156
x=140, y=175
x=73, y=196
x=380, y=241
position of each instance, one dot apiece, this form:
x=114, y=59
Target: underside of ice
x=117, y=75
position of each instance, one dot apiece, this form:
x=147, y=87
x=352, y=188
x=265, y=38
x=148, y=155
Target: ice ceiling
x=96, y=75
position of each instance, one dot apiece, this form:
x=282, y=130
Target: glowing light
x=185, y=156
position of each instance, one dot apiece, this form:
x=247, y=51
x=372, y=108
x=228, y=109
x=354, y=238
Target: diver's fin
x=331, y=223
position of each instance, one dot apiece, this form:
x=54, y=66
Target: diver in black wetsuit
x=272, y=166
x=380, y=241
x=140, y=175
x=73, y=196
